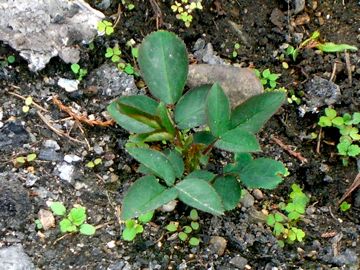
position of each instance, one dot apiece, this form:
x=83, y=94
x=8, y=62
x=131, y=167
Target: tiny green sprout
x=20, y=160
x=10, y=59
x=134, y=227
x=23, y=160
x=345, y=206
x=38, y=224
x=194, y=215
x=113, y=53
x=183, y=236
x=268, y=79
x=74, y=221
x=195, y=225
x=235, y=50
x=172, y=226
x=77, y=70
x=291, y=51
x=194, y=241
x=28, y=101
x=105, y=27
x=93, y=163
x=184, y=10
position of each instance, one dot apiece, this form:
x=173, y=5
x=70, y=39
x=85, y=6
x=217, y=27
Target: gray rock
x=247, y=200
x=299, y=6
x=12, y=135
x=51, y=144
x=112, y=82
x=347, y=258
x=69, y=85
x=204, y=53
x=14, y=258
x=66, y=171
x=257, y=193
x=357, y=199
x=42, y=29
x=238, y=83
x=218, y=245
x=239, y=262
x=15, y=205
x=320, y=92
x=50, y=154
x=70, y=158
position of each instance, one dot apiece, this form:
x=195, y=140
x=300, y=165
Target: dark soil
x=332, y=237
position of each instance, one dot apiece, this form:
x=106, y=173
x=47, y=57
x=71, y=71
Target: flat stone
x=43, y=29
x=110, y=81
x=49, y=154
x=66, y=171
x=239, y=262
x=15, y=205
x=247, y=200
x=218, y=245
x=14, y=258
x=12, y=136
x=239, y=84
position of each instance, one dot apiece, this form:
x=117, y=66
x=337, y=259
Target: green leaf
x=201, y=174
x=353, y=150
x=338, y=121
x=131, y=230
x=145, y=218
x=182, y=236
x=130, y=124
x=176, y=161
x=155, y=161
x=187, y=229
x=229, y=190
x=31, y=157
x=165, y=118
x=270, y=220
x=331, y=113
x=194, y=214
x=164, y=65
x=241, y=160
x=278, y=228
x=58, y=208
x=141, y=103
x=266, y=73
x=254, y=112
x=145, y=195
x=75, y=68
x=200, y=194
x=87, y=229
x=67, y=226
x=325, y=121
x=356, y=118
x=217, y=110
x=195, y=225
x=77, y=215
x=154, y=136
x=204, y=137
x=262, y=173
x=238, y=140
x=190, y=110
x=332, y=47
x=194, y=241
x=172, y=226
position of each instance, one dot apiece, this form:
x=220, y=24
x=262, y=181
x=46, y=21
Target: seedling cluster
x=185, y=232
x=344, y=206
x=78, y=71
x=347, y=126
x=184, y=9
x=74, y=221
x=134, y=227
x=172, y=154
x=284, y=226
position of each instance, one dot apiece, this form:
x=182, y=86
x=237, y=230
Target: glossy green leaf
x=87, y=229
x=67, y=226
x=145, y=195
x=200, y=194
x=194, y=214
x=126, y=122
x=140, y=102
x=58, y=208
x=204, y=137
x=241, y=160
x=202, y=174
x=238, y=140
x=193, y=241
x=176, y=161
x=164, y=65
x=156, y=162
x=332, y=47
x=262, y=173
x=154, y=136
x=165, y=118
x=77, y=215
x=190, y=110
x=229, y=190
x=217, y=110
x=254, y=112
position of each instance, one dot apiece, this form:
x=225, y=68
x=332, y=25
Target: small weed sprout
x=105, y=27
x=94, y=163
x=284, y=226
x=184, y=9
x=128, y=4
x=344, y=206
x=78, y=71
x=22, y=160
x=74, y=221
x=348, y=128
x=235, y=51
x=28, y=101
x=134, y=227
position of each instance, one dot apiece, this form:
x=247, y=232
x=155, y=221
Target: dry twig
x=288, y=149
x=353, y=186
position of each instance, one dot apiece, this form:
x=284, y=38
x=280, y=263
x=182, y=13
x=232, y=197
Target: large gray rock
x=42, y=29
x=239, y=84
x=14, y=258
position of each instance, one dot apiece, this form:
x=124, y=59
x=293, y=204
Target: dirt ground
x=261, y=28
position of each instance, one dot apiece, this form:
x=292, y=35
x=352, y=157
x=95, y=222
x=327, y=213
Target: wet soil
x=332, y=237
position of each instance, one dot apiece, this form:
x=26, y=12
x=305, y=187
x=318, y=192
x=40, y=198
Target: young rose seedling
x=177, y=170
x=135, y=227
x=77, y=70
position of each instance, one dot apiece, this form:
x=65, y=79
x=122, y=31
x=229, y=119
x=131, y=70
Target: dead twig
x=348, y=67
x=158, y=13
x=318, y=144
x=118, y=16
x=57, y=131
x=288, y=149
x=353, y=186
x=81, y=118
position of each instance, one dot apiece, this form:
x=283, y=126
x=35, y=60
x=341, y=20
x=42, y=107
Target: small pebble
x=257, y=193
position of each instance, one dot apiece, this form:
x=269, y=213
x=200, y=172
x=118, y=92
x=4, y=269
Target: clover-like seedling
x=268, y=79
x=135, y=227
x=105, y=27
x=347, y=126
x=344, y=206
x=77, y=70
x=284, y=226
x=184, y=10
x=291, y=51
x=74, y=221
x=188, y=126
x=113, y=53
